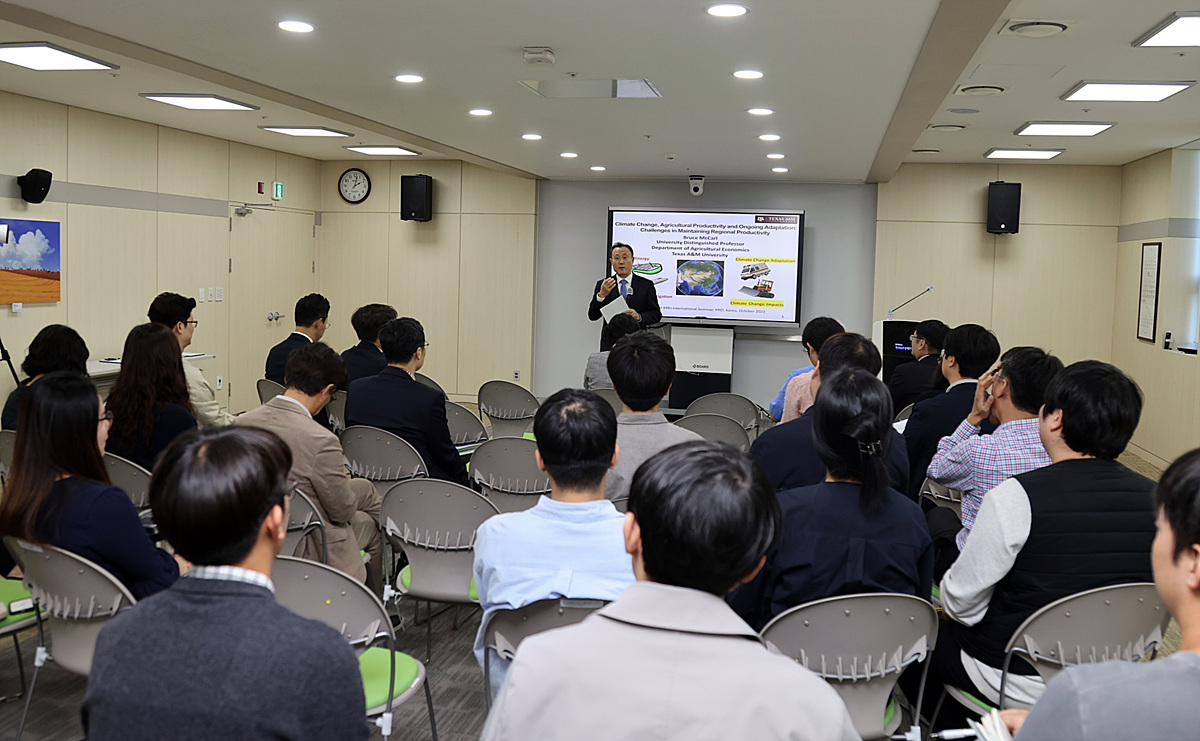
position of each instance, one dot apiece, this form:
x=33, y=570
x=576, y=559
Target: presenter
x=639, y=293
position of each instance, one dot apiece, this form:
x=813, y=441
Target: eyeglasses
x=193, y=322
x=106, y=417
x=915, y=337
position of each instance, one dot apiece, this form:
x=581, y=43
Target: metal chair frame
x=509, y=407
x=304, y=518
x=267, y=390
x=735, y=406
x=465, y=427
x=718, y=427
x=130, y=478
x=507, y=474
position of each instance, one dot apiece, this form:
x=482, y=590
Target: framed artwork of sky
x=31, y=262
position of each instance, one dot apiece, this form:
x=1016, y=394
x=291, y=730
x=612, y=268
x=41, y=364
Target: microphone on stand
x=906, y=303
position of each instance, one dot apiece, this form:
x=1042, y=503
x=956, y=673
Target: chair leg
x=20, y=666
x=487, y=678
x=936, y=710
x=429, y=704
x=42, y=656
x=429, y=635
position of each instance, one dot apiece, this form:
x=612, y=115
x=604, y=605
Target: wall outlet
x=516, y=375
x=220, y=382
x=18, y=307
x=200, y=298
x=220, y=293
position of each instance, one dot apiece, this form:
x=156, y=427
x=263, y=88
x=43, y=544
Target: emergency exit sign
x=277, y=191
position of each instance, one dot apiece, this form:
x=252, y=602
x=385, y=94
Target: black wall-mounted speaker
x=416, y=197
x=35, y=185
x=1004, y=207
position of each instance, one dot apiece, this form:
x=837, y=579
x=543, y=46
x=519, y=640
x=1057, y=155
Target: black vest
x=1091, y=526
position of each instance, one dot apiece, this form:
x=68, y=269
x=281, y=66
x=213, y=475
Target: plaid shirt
x=976, y=464
x=232, y=573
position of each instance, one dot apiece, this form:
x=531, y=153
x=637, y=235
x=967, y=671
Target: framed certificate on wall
x=1147, y=324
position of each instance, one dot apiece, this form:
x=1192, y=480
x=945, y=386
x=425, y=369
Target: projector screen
x=727, y=267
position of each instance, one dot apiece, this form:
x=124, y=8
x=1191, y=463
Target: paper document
x=616, y=307
x=899, y=426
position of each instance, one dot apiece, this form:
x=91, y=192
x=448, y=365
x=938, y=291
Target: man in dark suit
x=911, y=382
x=640, y=294
x=786, y=451
x=366, y=358
x=312, y=318
x=969, y=352
x=395, y=401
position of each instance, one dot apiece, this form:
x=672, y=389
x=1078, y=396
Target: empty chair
x=610, y=395
x=717, y=427
x=336, y=411
x=734, y=406
x=506, y=471
x=8, y=441
x=860, y=644
x=942, y=496
x=302, y=520
x=422, y=378
x=378, y=455
x=509, y=407
x=130, y=477
x=465, y=428
x=268, y=389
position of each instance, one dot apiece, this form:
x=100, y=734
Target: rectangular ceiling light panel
x=1132, y=92
x=576, y=88
x=304, y=130
x=382, y=151
x=1062, y=128
x=1181, y=29
x=1023, y=154
x=45, y=57
x=199, y=102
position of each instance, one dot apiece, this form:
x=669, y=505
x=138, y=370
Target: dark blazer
x=170, y=421
x=210, y=659
x=362, y=360
x=787, y=454
x=643, y=298
x=911, y=381
x=931, y=420
x=392, y=400
x=12, y=406
x=277, y=357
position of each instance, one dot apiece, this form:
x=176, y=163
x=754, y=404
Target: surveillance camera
x=696, y=185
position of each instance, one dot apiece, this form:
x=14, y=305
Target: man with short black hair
x=312, y=319
x=639, y=293
x=641, y=366
x=215, y=656
x=701, y=520
x=569, y=544
x=174, y=312
x=911, y=382
x=814, y=335
x=366, y=358
x=395, y=401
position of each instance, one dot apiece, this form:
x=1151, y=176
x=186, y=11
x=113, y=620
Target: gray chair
x=734, y=406
x=717, y=427
x=610, y=395
x=8, y=444
x=622, y=504
x=434, y=522
x=506, y=471
x=509, y=407
x=129, y=477
x=904, y=413
x=268, y=389
x=942, y=496
x=73, y=599
x=337, y=411
x=465, y=428
x=426, y=380
x=381, y=457
x=860, y=644
x=323, y=593
x=303, y=519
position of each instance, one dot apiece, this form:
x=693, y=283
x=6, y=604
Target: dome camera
x=696, y=185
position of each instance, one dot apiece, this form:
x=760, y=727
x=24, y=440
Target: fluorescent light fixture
x=727, y=10
x=598, y=168
x=748, y=74
x=1022, y=154
x=45, y=57
x=759, y=111
x=1181, y=29
x=769, y=137
x=531, y=137
x=296, y=26
x=303, y=130
x=199, y=101
x=779, y=169
x=409, y=78
x=1062, y=128
x=569, y=155
x=775, y=156
x=479, y=112
x=382, y=150
x=1134, y=92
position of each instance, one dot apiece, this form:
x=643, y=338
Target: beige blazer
x=204, y=400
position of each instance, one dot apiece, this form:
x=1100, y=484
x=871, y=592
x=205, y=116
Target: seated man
x=1084, y=522
x=394, y=400
x=642, y=366
x=348, y=507
x=570, y=543
x=669, y=659
x=214, y=656
x=910, y=382
x=786, y=451
x=312, y=319
x=1119, y=700
x=970, y=351
x=366, y=358
x=175, y=313
x=815, y=333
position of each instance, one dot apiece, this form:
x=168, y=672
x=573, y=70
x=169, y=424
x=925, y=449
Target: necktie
x=624, y=288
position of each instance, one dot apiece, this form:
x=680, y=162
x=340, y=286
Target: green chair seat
x=406, y=582
x=373, y=666
x=10, y=591
x=889, y=712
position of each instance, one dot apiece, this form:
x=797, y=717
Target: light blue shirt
x=776, y=408
x=556, y=549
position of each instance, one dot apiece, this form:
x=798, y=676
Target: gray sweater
x=640, y=436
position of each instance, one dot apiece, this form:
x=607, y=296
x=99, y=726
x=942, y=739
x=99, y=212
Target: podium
x=703, y=363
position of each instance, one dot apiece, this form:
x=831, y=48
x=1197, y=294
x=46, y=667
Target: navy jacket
x=362, y=360
x=910, y=382
x=643, y=298
x=392, y=400
x=170, y=421
x=277, y=357
x=932, y=420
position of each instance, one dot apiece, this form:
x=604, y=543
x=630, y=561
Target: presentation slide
x=717, y=267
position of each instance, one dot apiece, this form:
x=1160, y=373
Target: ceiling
x=854, y=83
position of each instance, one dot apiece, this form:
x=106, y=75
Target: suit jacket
x=362, y=360
x=643, y=298
x=645, y=666
x=394, y=401
x=317, y=467
x=911, y=381
x=277, y=359
x=212, y=659
x=204, y=400
x=932, y=420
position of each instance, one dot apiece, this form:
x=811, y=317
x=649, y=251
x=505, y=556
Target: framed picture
x=1147, y=325
x=30, y=261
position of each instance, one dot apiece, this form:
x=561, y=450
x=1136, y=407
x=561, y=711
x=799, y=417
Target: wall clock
x=354, y=185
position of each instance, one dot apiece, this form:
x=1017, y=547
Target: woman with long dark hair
x=56, y=348
x=149, y=400
x=58, y=491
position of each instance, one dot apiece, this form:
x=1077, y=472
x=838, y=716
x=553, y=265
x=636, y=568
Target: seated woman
x=852, y=533
x=59, y=493
x=56, y=348
x=149, y=401
x=595, y=376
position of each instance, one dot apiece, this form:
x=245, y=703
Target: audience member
x=639, y=293
x=215, y=656
x=175, y=313
x=348, y=507
x=911, y=382
x=970, y=350
x=56, y=348
x=852, y=533
x=595, y=376
x=570, y=544
x=366, y=358
x=669, y=659
x=797, y=390
x=58, y=491
x=787, y=453
x=149, y=400
x=395, y=401
x=312, y=319
x=642, y=366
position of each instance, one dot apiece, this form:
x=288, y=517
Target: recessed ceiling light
x=962, y=111
x=775, y=156
x=926, y=151
x=1037, y=29
x=199, y=102
x=727, y=10
x=1062, y=128
x=479, y=112
x=979, y=90
x=759, y=111
x=748, y=74
x=382, y=150
x=779, y=169
x=531, y=137
x=1181, y=29
x=769, y=137
x=569, y=155
x=409, y=78
x=1135, y=92
x=598, y=168
x=297, y=26
x=1023, y=154
x=303, y=130
x=45, y=57
x=946, y=127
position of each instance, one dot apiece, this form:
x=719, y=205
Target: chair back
x=507, y=628
x=322, y=593
x=717, y=427
x=507, y=473
x=8, y=444
x=77, y=596
x=337, y=411
x=859, y=644
x=904, y=413
x=129, y=477
x=622, y=504
x=268, y=389
x=734, y=406
x=434, y=523
x=509, y=407
x=427, y=381
x=610, y=395
x=380, y=456
x=465, y=428
x=304, y=518
x=943, y=496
